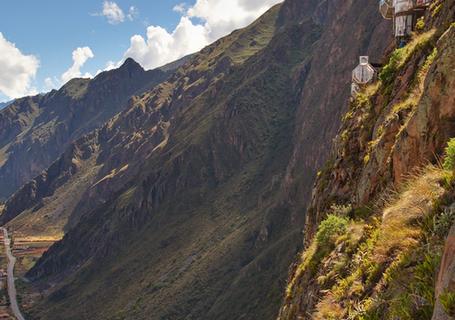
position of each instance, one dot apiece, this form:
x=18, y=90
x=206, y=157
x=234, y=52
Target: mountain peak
x=131, y=64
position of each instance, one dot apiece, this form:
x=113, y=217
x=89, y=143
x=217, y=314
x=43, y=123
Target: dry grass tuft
x=401, y=227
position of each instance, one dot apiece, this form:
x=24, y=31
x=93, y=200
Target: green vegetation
x=448, y=302
x=449, y=160
x=423, y=71
x=394, y=269
x=329, y=229
x=240, y=45
x=76, y=88
x=387, y=74
x=443, y=222
x=385, y=263
x=417, y=301
x=420, y=25
x=436, y=9
x=326, y=237
x=421, y=43
x=403, y=108
x=402, y=55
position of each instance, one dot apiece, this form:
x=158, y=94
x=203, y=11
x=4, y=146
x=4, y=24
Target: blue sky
x=151, y=31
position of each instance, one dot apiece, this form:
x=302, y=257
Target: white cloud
x=16, y=70
x=80, y=57
x=162, y=47
x=223, y=16
x=133, y=12
x=113, y=12
x=50, y=83
x=110, y=65
x=200, y=24
x=180, y=8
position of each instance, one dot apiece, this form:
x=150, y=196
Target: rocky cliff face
x=398, y=125
x=193, y=196
x=352, y=29
x=34, y=131
x=392, y=130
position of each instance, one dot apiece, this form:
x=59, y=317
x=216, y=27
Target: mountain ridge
x=35, y=130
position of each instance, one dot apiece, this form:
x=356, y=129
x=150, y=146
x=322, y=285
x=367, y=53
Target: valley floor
x=5, y=311
x=27, y=250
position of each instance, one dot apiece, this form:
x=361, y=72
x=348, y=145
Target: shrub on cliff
x=330, y=228
x=449, y=160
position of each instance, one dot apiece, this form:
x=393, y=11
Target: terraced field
x=27, y=251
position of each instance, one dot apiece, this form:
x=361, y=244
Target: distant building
x=362, y=75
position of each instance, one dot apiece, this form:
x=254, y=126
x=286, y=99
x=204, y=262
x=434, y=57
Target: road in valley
x=10, y=274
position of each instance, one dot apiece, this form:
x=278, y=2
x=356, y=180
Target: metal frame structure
x=362, y=75
x=404, y=14
x=386, y=9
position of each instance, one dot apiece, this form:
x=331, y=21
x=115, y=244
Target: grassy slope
x=385, y=266
x=49, y=217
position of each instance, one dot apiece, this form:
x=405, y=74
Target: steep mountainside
x=188, y=204
x=34, y=131
x=353, y=28
x=379, y=215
